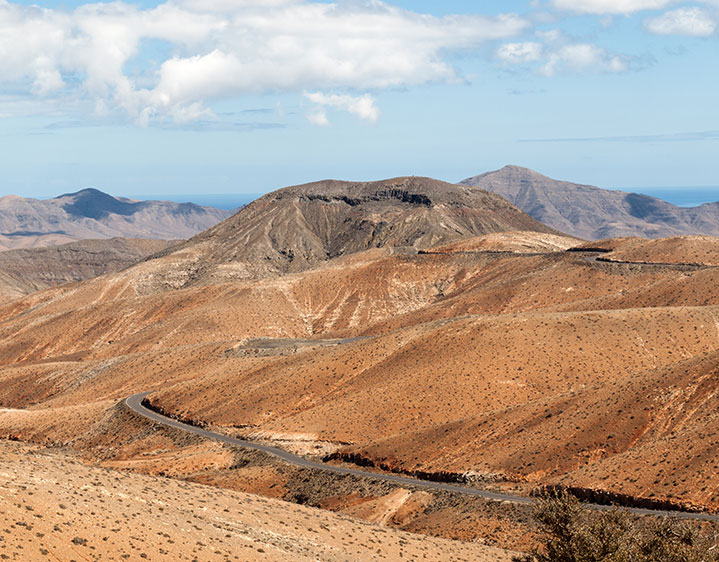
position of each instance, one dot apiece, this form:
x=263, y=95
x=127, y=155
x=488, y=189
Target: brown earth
x=700, y=250
x=513, y=241
x=509, y=369
x=504, y=366
x=57, y=508
x=28, y=270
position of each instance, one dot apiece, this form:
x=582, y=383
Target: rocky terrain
x=592, y=213
x=92, y=214
x=296, y=228
x=493, y=351
x=27, y=270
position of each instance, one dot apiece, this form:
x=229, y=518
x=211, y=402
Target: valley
x=417, y=327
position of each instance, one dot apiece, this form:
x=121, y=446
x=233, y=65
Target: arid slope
x=56, y=508
x=515, y=368
x=27, y=270
x=465, y=357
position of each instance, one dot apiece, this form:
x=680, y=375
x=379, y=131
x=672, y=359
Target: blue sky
x=244, y=96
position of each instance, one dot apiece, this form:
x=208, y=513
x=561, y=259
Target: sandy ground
x=56, y=508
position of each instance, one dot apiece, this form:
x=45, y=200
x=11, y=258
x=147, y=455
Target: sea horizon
x=680, y=196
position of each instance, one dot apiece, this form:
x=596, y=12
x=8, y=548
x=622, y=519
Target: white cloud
x=47, y=79
x=319, y=118
x=683, y=21
x=224, y=48
x=610, y=6
x=557, y=53
x=362, y=106
x=517, y=53
x=550, y=36
x=580, y=57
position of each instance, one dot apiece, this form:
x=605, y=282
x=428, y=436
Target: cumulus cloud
x=318, y=117
x=558, y=53
x=683, y=21
x=362, y=106
x=610, y=6
x=217, y=49
x=585, y=56
x=514, y=53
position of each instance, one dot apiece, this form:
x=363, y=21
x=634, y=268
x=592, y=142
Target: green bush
x=571, y=533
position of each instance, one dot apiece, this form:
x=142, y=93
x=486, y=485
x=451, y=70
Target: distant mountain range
x=92, y=214
x=593, y=213
x=339, y=217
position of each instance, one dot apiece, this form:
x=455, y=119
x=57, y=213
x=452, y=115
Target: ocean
x=217, y=200
x=681, y=196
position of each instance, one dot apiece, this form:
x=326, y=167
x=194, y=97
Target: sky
x=186, y=97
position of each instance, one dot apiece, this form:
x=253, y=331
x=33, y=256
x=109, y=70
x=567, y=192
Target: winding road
x=134, y=403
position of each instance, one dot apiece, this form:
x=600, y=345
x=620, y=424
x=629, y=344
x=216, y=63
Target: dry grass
x=56, y=508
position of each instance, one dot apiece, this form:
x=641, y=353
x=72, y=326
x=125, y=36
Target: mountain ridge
x=595, y=213
x=93, y=214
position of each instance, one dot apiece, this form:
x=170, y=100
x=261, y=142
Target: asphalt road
x=134, y=402
x=597, y=257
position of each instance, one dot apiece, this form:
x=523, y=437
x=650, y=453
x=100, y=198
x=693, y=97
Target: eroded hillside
x=27, y=270
x=505, y=359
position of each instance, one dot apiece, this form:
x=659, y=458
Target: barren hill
x=26, y=270
x=700, y=250
x=593, y=213
x=92, y=214
x=299, y=227
x=492, y=355
x=471, y=362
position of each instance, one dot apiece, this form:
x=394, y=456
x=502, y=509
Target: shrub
x=573, y=533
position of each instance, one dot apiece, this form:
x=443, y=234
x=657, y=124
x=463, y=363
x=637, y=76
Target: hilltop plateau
x=457, y=338
x=590, y=212
x=699, y=250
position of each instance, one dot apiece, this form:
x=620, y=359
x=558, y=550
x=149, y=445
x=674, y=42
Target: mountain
x=299, y=227
x=92, y=214
x=373, y=324
x=594, y=213
x=26, y=270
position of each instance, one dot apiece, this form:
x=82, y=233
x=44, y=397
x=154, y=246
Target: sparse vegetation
x=572, y=533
